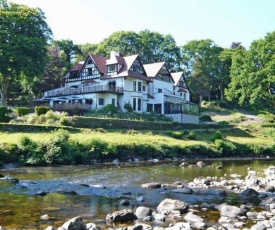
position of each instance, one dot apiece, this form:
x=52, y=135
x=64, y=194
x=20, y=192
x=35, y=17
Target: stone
x=44, y=217
x=143, y=212
x=258, y=226
x=75, y=223
x=91, y=226
x=229, y=210
x=195, y=220
x=122, y=215
x=184, y=164
x=124, y=202
x=48, y=228
x=66, y=192
x=151, y=185
x=41, y=193
x=183, y=190
x=170, y=205
x=200, y=164
x=249, y=194
x=180, y=226
x=159, y=217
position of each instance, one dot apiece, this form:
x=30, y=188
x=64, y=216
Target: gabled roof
x=176, y=76
x=100, y=62
x=153, y=69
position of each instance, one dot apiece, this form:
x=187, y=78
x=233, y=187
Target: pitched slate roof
x=153, y=69
x=176, y=76
x=100, y=63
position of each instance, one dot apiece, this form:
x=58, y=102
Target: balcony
x=84, y=90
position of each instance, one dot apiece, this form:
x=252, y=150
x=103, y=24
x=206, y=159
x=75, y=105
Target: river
x=99, y=189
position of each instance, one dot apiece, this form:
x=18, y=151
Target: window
x=113, y=101
x=134, y=104
x=101, y=101
x=134, y=86
x=159, y=90
x=139, y=86
x=137, y=104
x=143, y=88
x=112, y=70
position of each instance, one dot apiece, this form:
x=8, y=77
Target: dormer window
x=112, y=69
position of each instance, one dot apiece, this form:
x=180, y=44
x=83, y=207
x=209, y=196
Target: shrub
x=205, y=117
x=226, y=148
x=177, y=135
x=39, y=110
x=97, y=149
x=30, y=152
x=217, y=135
x=110, y=109
x=8, y=153
x=4, y=114
x=22, y=111
x=57, y=149
x=128, y=107
x=192, y=136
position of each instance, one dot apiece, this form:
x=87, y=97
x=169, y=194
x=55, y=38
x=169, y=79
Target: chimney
x=113, y=54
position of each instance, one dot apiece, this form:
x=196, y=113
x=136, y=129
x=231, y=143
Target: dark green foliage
x=58, y=150
x=98, y=149
x=205, y=117
x=192, y=136
x=4, y=114
x=39, y=110
x=226, y=148
x=177, y=135
x=30, y=152
x=110, y=110
x=128, y=107
x=22, y=111
x=217, y=135
x=8, y=153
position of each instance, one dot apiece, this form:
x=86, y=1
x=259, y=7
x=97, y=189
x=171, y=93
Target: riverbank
x=212, y=189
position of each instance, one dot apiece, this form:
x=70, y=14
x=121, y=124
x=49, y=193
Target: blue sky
x=223, y=21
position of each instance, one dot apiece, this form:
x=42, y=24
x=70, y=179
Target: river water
x=99, y=189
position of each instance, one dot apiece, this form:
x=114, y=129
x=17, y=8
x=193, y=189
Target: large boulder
x=75, y=223
x=122, y=215
x=195, y=220
x=173, y=205
x=142, y=212
x=249, y=195
x=229, y=210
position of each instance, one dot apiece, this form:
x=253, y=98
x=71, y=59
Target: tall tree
x=151, y=46
x=85, y=50
x=24, y=35
x=70, y=49
x=253, y=73
x=203, y=56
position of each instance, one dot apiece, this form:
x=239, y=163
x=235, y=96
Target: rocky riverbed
x=204, y=203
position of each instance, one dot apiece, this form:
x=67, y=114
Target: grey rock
x=183, y=190
x=124, y=202
x=258, y=226
x=195, y=220
x=75, y=223
x=91, y=226
x=151, y=185
x=170, y=204
x=229, y=210
x=143, y=212
x=122, y=215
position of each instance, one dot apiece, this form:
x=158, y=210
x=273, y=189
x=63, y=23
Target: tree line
x=32, y=62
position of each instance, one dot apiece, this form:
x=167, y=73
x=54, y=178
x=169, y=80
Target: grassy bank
x=242, y=136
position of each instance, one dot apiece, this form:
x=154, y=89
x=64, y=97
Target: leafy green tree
x=253, y=73
x=24, y=35
x=85, y=50
x=70, y=49
x=151, y=46
x=201, y=60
